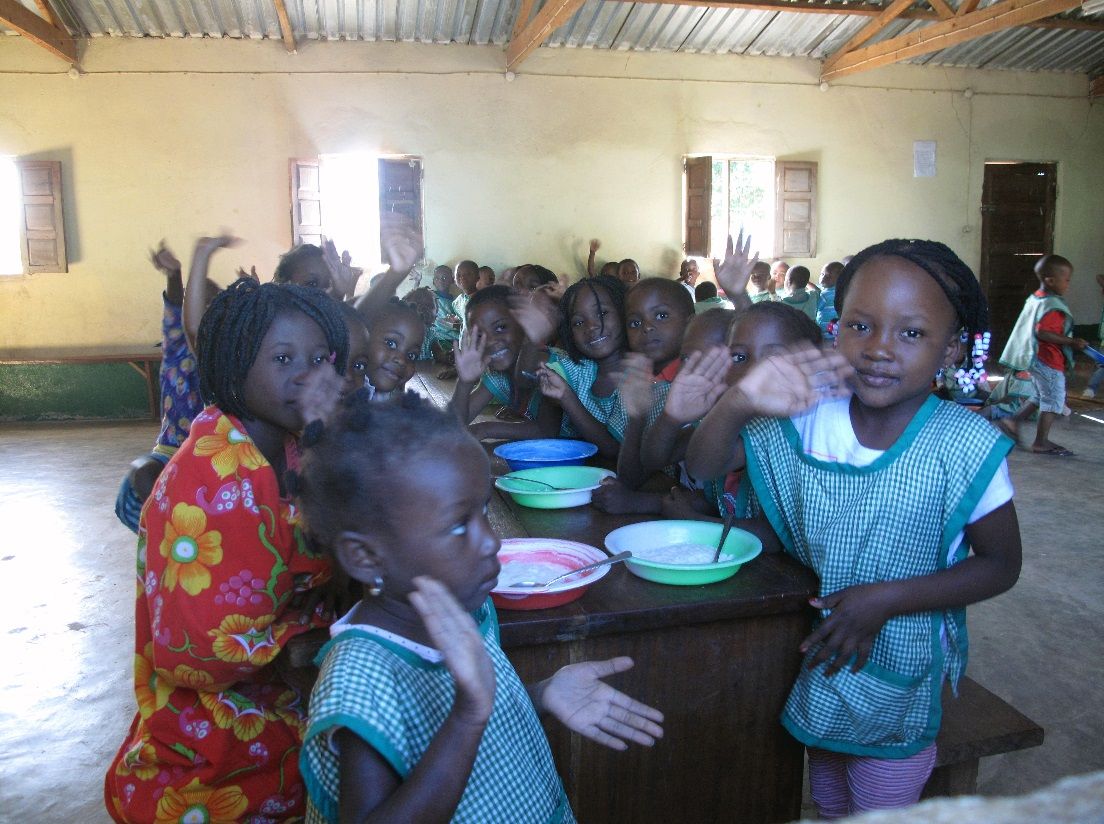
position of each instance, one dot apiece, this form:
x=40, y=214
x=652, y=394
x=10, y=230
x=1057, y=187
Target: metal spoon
x=620, y=556
x=533, y=481
x=730, y=516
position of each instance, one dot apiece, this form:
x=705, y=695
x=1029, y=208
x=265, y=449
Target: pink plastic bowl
x=564, y=556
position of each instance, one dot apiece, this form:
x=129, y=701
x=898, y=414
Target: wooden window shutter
x=306, y=202
x=699, y=192
x=795, y=209
x=42, y=230
x=400, y=190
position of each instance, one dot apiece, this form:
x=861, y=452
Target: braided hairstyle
x=947, y=269
x=290, y=261
x=348, y=466
x=615, y=289
x=236, y=322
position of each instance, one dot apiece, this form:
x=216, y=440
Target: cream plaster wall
x=180, y=138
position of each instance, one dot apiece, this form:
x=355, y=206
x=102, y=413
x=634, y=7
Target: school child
x=485, y=277
x=318, y=267
x=761, y=283
x=688, y=275
x=628, y=271
x=797, y=296
x=466, y=278
x=356, y=369
x=180, y=401
x=582, y=376
x=778, y=272
x=706, y=297
x=1042, y=343
x=883, y=493
x=395, y=335
x=530, y=277
x=485, y=361
x=446, y=325
x=1098, y=375
x=225, y=580
x=417, y=714
x=826, y=315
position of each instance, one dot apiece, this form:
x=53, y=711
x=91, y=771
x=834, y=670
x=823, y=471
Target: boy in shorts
x=1041, y=343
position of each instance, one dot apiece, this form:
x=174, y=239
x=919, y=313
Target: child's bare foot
x=617, y=499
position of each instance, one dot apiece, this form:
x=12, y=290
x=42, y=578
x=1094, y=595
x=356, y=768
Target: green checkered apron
x=894, y=519
x=396, y=701
x=501, y=388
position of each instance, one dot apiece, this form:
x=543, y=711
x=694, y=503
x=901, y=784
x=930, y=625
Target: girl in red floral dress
x=225, y=578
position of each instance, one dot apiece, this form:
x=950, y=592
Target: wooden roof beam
x=944, y=34
x=48, y=15
x=286, y=33
x=554, y=14
x=866, y=10
x=890, y=13
x=57, y=41
x=942, y=9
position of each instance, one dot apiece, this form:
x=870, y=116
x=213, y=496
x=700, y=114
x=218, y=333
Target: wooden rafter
x=523, y=17
x=866, y=10
x=944, y=34
x=48, y=14
x=967, y=6
x=55, y=40
x=285, y=25
x=891, y=12
x=554, y=14
x=942, y=9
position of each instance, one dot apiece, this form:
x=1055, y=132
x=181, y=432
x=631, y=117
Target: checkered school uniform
x=502, y=390
x=396, y=700
x=606, y=409
x=893, y=519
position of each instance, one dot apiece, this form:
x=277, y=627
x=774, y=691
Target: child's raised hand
x=320, y=394
x=251, y=274
x=456, y=636
x=698, y=385
x=857, y=615
x=399, y=243
x=591, y=707
x=209, y=245
x=791, y=383
x=595, y=245
x=164, y=260
x=634, y=381
x=537, y=314
x=344, y=275
x=471, y=354
x=734, y=271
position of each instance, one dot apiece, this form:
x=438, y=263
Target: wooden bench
x=975, y=724
x=148, y=365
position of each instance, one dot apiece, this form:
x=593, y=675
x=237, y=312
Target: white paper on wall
x=923, y=158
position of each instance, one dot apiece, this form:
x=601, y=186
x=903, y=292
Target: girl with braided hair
x=225, y=579
x=883, y=490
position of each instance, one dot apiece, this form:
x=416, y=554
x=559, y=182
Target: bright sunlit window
x=743, y=196
x=11, y=213
x=350, y=186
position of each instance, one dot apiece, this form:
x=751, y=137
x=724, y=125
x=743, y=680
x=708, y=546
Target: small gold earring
x=375, y=588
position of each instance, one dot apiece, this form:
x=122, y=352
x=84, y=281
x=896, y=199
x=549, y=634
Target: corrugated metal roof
x=598, y=24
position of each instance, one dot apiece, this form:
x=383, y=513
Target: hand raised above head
x=399, y=243
x=208, y=245
x=734, y=271
x=341, y=271
x=164, y=260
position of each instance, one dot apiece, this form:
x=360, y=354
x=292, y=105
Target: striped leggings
x=843, y=785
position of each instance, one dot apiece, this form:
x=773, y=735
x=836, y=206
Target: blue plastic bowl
x=545, y=452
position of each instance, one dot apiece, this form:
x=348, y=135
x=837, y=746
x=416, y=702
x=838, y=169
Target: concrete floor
x=67, y=589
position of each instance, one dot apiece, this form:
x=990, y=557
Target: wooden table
x=718, y=660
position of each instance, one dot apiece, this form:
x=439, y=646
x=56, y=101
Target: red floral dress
x=220, y=556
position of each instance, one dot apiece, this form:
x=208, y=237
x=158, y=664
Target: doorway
x=1017, y=227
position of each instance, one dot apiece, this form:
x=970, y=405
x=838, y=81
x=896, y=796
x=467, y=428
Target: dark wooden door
x=1017, y=227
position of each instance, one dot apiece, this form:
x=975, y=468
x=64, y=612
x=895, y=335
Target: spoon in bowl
x=730, y=516
x=613, y=559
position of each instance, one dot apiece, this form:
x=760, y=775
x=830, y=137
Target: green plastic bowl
x=740, y=544
x=574, y=485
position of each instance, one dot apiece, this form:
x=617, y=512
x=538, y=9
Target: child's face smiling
x=897, y=329
x=358, y=359
x=754, y=338
x=466, y=278
x=452, y=540
x=293, y=346
x=393, y=348
x=655, y=326
x=504, y=336
x=596, y=328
